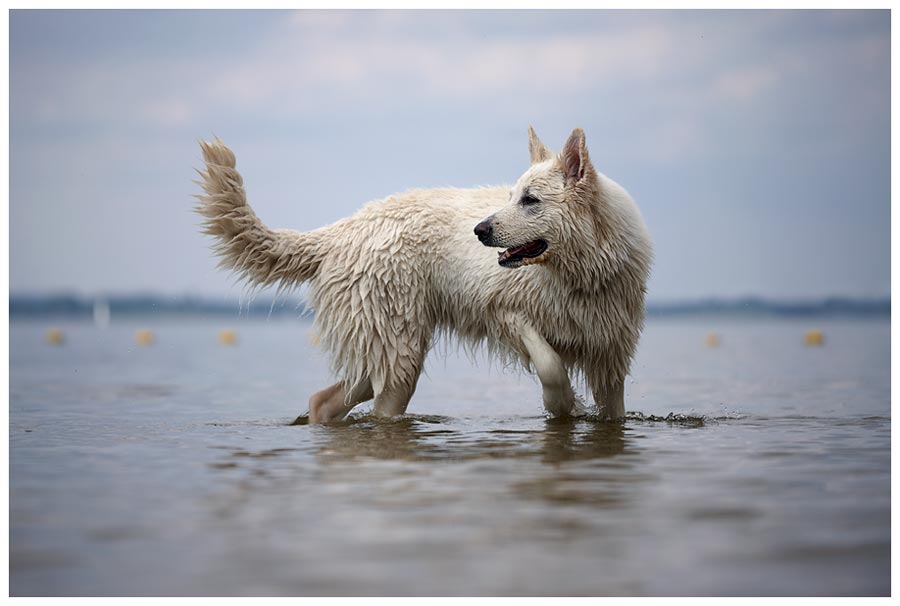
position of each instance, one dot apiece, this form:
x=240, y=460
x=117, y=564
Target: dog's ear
x=539, y=152
x=574, y=158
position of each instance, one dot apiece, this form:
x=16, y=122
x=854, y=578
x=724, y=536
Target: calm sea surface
x=172, y=469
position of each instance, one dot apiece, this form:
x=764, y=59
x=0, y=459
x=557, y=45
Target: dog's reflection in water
x=567, y=450
x=571, y=439
x=423, y=438
x=584, y=461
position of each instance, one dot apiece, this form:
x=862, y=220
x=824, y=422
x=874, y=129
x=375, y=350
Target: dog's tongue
x=520, y=251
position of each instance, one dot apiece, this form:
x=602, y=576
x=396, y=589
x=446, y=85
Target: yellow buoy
x=712, y=339
x=56, y=336
x=814, y=337
x=144, y=337
x=314, y=338
x=227, y=337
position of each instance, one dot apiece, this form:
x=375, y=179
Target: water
x=173, y=470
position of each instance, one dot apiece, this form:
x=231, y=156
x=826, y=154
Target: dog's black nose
x=483, y=230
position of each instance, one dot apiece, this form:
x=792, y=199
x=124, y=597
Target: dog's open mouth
x=522, y=255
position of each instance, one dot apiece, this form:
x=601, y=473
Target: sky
x=757, y=144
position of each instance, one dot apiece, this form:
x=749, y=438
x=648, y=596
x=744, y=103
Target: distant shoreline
x=74, y=307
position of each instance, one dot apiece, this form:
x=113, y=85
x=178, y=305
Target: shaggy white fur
x=567, y=296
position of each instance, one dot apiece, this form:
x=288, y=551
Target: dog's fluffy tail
x=257, y=254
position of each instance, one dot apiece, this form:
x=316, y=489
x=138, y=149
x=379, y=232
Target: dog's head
x=538, y=218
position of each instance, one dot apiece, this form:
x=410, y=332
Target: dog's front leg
x=610, y=397
x=559, y=399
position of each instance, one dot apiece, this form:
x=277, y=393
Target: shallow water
x=173, y=470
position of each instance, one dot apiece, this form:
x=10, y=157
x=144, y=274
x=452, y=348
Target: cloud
x=682, y=80
x=343, y=55
x=315, y=58
x=746, y=84
x=165, y=112
x=314, y=66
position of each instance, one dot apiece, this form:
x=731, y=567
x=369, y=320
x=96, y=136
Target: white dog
x=566, y=294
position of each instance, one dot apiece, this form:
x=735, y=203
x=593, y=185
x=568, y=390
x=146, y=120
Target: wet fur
x=388, y=280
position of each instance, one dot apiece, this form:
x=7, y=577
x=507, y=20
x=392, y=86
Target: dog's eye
x=528, y=200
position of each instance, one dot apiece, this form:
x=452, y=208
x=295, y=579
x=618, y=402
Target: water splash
x=673, y=418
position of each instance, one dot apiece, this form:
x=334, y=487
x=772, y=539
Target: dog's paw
x=579, y=408
x=573, y=407
x=301, y=420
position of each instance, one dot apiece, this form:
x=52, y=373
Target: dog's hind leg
x=559, y=399
x=334, y=403
x=392, y=397
x=393, y=402
x=396, y=359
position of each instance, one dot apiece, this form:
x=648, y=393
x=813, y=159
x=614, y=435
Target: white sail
x=101, y=313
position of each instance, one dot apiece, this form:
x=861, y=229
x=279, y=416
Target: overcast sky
x=757, y=144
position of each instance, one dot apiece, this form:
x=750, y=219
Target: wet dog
x=564, y=295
